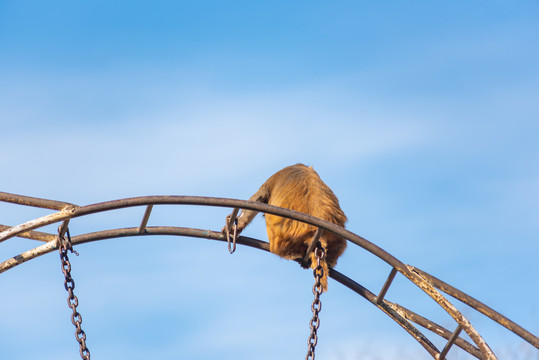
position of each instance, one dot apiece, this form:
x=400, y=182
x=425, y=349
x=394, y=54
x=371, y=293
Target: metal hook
x=232, y=220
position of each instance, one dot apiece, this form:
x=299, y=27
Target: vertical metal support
x=450, y=343
x=312, y=245
x=144, y=222
x=388, y=282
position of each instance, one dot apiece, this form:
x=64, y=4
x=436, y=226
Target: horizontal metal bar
x=250, y=205
x=33, y=201
x=34, y=235
x=36, y=223
x=434, y=328
x=406, y=325
x=406, y=314
x=127, y=232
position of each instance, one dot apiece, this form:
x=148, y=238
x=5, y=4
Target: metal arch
x=423, y=280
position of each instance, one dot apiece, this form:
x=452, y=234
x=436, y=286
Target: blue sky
x=422, y=117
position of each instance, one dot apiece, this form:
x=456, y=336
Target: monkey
x=299, y=187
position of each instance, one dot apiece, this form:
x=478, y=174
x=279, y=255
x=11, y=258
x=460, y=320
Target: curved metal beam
x=424, y=281
x=234, y=203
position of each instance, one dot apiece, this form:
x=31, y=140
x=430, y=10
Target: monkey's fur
x=299, y=188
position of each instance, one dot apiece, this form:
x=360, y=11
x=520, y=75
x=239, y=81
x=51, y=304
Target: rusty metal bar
x=405, y=324
x=450, y=343
x=427, y=287
x=33, y=224
x=28, y=255
x=479, y=306
x=33, y=201
x=406, y=314
x=434, y=328
x=34, y=235
x=386, y=286
x=127, y=232
x=145, y=219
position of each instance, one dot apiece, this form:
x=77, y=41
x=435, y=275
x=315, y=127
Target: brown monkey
x=299, y=188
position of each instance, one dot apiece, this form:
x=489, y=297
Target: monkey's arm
x=246, y=216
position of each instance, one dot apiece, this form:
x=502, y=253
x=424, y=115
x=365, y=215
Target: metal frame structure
x=432, y=286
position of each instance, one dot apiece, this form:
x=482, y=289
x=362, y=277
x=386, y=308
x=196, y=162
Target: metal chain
x=316, y=307
x=69, y=284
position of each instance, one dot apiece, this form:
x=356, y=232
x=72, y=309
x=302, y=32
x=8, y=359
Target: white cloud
x=214, y=137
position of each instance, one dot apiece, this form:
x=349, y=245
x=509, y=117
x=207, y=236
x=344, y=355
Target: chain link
x=65, y=245
x=316, y=307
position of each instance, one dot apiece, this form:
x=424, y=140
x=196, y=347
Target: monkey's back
x=299, y=188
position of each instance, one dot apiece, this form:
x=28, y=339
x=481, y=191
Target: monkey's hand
x=240, y=224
